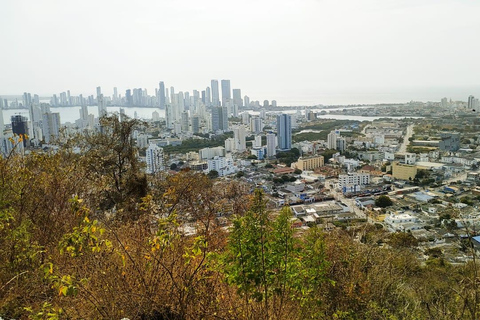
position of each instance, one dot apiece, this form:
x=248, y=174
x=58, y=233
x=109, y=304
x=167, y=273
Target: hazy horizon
x=340, y=97
x=317, y=51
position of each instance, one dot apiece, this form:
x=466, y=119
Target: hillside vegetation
x=89, y=236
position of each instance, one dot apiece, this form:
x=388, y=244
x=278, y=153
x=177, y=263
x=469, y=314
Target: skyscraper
x=128, y=97
x=102, y=106
x=169, y=116
x=219, y=119
x=226, y=92
x=471, y=102
x=101, y=103
x=237, y=97
x=284, y=131
x=161, y=95
x=246, y=101
x=50, y=126
x=185, y=121
x=195, y=124
x=208, y=97
x=115, y=96
x=215, y=95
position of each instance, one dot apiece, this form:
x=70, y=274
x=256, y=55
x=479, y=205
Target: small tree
x=383, y=201
x=213, y=174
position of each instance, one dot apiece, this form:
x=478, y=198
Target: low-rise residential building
x=310, y=163
x=223, y=165
x=210, y=153
x=353, y=179
x=403, y=171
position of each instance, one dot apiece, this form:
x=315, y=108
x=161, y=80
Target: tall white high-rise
x=115, y=96
x=471, y=102
x=185, y=121
x=258, y=141
x=237, y=98
x=246, y=101
x=219, y=119
x=332, y=140
x=271, y=139
x=169, y=116
x=226, y=92
x=102, y=106
x=215, y=94
x=51, y=126
x=256, y=125
x=154, y=159
x=195, y=124
x=239, y=137
x=208, y=97
x=161, y=95
x=155, y=116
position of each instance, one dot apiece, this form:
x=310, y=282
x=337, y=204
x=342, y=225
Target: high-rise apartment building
x=115, y=96
x=154, y=159
x=195, y=124
x=128, y=97
x=332, y=140
x=237, y=98
x=185, y=121
x=256, y=125
x=20, y=127
x=246, y=101
x=50, y=126
x=215, y=94
x=239, y=137
x=471, y=102
x=271, y=148
x=219, y=119
x=161, y=95
x=226, y=92
x=284, y=131
x=208, y=97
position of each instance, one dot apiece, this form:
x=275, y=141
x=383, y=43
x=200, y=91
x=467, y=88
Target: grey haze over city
x=297, y=52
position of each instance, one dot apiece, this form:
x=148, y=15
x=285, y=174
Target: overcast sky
x=283, y=49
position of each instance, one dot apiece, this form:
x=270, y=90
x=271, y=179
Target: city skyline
x=309, y=52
